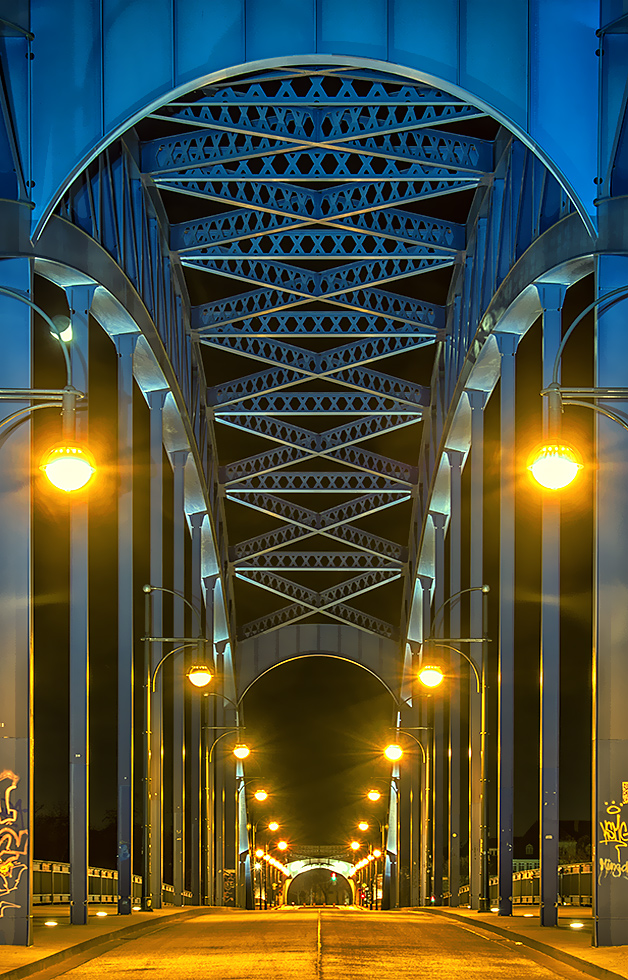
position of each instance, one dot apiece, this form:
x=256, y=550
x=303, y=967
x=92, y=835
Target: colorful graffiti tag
x=615, y=834
x=13, y=841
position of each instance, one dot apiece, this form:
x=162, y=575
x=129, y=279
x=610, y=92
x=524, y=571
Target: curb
x=558, y=954
x=36, y=966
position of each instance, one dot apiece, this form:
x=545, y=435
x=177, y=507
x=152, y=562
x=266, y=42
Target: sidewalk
x=53, y=944
x=572, y=946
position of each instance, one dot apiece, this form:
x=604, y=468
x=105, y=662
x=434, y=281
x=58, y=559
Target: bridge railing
x=574, y=886
x=51, y=885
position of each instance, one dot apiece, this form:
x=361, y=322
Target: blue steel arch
x=552, y=111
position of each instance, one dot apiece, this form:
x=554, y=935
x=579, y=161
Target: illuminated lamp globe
x=373, y=795
x=241, y=751
x=377, y=853
x=273, y=825
x=355, y=845
x=363, y=825
x=554, y=466
x=261, y=795
x=68, y=467
x=393, y=752
x=430, y=676
x=283, y=845
x=259, y=853
x=199, y=675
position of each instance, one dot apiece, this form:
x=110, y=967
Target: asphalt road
x=317, y=944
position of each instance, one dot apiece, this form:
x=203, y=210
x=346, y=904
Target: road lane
x=312, y=944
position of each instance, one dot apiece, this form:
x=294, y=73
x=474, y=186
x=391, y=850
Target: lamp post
x=395, y=752
x=199, y=675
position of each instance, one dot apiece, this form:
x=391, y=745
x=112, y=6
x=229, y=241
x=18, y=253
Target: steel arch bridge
x=317, y=269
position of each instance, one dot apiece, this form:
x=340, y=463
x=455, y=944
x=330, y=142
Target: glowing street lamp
x=363, y=826
x=282, y=845
x=373, y=795
x=393, y=752
x=554, y=466
x=430, y=676
x=273, y=826
x=68, y=466
x=241, y=751
x=355, y=845
x=260, y=795
x=199, y=675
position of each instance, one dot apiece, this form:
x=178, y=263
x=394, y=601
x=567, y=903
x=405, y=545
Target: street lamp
x=273, y=826
x=199, y=676
x=555, y=465
x=68, y=466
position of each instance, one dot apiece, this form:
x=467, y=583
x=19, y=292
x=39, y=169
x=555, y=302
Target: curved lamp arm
x=163, y=659
x=404, y=731
x=160, y=588
x=613, y=294
x=437, y=643
x=53, y=327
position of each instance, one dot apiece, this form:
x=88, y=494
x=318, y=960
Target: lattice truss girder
x=317, y=166
x=301, y=522
x=259, y=231
x=260, y=302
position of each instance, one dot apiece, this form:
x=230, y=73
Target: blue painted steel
x=321, y=324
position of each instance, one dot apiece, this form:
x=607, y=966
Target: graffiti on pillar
x=13, y=841
x=615, y=835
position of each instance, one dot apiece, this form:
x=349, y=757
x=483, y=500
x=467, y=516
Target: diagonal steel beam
x=323, y=324
x=353, y=456
x=322, y=443
x=318, y=561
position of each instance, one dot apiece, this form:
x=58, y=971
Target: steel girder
x=320, y=170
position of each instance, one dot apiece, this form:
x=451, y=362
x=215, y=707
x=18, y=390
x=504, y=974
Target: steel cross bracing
x=308, y=186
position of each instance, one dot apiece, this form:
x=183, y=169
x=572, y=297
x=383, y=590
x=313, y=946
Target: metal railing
x=575, y=882
x=51, y=885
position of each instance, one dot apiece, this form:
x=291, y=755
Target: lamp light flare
x=363, y=825
x=355, y=845
x=199, y=675
x=241, y=751
x=261, y=795
x=554, y=466
x=393, y=752
x=283, y=845
x=273, y=825
x=68, y=467
x=430, y=676
x=377, y=853
x=259, y=853
x=373, y=795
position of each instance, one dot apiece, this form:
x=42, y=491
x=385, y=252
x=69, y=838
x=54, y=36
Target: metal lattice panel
x=307, y=184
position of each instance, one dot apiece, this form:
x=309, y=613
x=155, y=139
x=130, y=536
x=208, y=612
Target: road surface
x=315, y=944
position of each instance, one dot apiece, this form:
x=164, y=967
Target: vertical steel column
x=439, y=770
x=219, y=787
x=552, y=297
x=125, y=345
x=195, y=808
x=456, y=460
x=208, y=733
x=478, y=788
x=153, y=887
x=426, y=787
x=79, y=299
x=610, y=677
x=506, y=681
x=16, y=628
x=179, y=459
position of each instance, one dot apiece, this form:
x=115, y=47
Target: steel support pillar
x=425, y=718
x=209, y=705
x=153, y=886
x=219, y=806
x=194, y=754
x=439, y=771
x=125, y=346
x=79, y=299
x=455, y=574
x=506, y=680
x=610, y=684
x=179, y=526
x=16, y=628
x=552, y=297
x=478, y=811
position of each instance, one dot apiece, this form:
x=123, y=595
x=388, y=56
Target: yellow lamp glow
x=554, y=466
x=259, y=853
x=241, y=751
x=373, y=795
x=273, y=825
x=430, y=676
x=363, y=825
x=261, y=795
x=283, y=845
x=355, y=845
x=377, y=853
x=68, y=467
x=200, y=675
x=393, y=752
